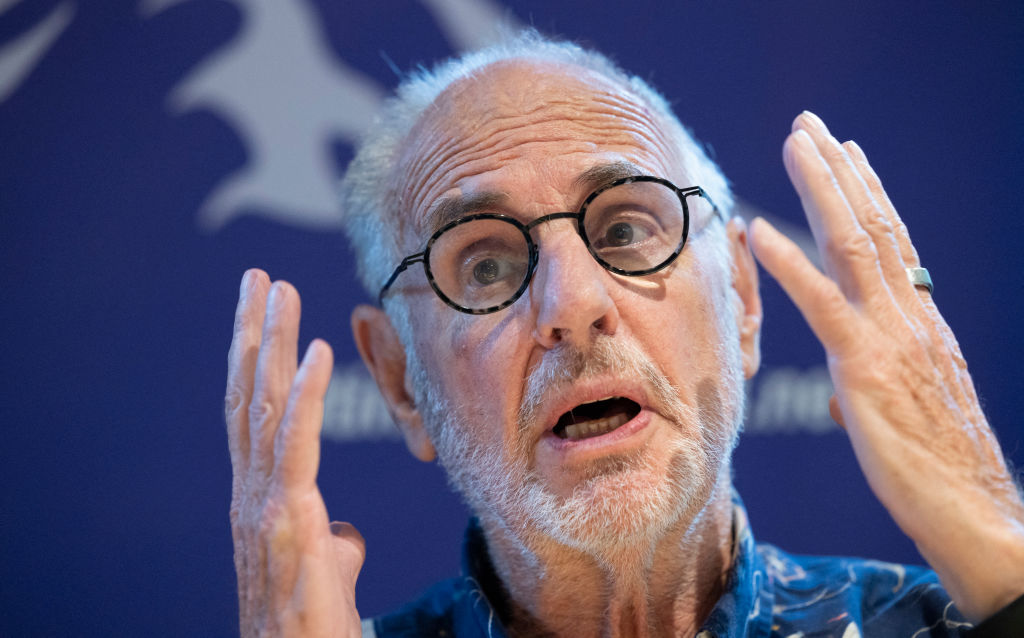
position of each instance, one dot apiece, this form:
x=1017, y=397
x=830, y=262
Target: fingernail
x=798, y=142
x=310, y=352
x=760, y=232
x=276, y=293
x=761, y=226
x=246, y=282
x=754, y=224
x=787, y=152
x=855, y=148
x=803, y=139
x=815, y=121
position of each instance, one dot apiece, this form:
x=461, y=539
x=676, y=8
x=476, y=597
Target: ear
x=384, y=355
x=748, y=296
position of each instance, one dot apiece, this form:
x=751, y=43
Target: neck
x=665, y=586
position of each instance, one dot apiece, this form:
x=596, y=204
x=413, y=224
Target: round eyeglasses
x=482, y=263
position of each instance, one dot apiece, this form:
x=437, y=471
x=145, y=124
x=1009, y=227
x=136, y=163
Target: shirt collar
x=745, y=608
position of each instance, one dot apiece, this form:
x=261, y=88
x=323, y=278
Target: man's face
x=597, y=407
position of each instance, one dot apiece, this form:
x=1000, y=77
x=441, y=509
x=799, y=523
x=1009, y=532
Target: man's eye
x=626, y=232
x=619, y=234
x=486, y=271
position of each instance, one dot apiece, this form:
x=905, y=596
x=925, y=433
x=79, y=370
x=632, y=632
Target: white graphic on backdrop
x=471, y=24
x=288, y=97
x=791, y=400
x=354, y=409
x=20, y=56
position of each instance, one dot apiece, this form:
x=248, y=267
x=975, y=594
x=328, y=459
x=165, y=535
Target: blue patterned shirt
x=769, y=593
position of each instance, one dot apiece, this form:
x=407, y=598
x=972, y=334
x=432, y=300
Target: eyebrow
x=449, y=209
x=603, y=174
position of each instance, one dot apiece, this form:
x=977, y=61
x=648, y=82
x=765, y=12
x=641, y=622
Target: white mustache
x=567, y=364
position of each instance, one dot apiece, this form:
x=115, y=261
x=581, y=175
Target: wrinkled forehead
x=523, y=110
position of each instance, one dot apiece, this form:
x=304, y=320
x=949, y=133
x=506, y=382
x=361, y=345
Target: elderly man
x=567, y=314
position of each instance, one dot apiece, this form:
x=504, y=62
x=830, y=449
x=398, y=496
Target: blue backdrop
x=152, y=150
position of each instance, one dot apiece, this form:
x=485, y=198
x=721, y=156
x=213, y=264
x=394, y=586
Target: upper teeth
x=596, y=427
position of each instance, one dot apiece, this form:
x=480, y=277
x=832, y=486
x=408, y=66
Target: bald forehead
x=520, y=84
x=541, y=111
x=506, y=88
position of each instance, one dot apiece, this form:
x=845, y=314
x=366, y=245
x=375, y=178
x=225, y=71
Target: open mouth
x=592, y=419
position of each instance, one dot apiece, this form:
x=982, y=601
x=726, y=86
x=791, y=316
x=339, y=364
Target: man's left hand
x=902, y=390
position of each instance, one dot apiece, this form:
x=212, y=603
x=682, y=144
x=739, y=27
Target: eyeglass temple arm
x=700, y=192
x=408, y=261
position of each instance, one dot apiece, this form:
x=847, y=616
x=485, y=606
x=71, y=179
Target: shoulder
x=854, y=597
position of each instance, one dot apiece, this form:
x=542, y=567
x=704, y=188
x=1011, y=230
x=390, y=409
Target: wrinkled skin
x=296, y=570
x=902, y=393
x=902, y=388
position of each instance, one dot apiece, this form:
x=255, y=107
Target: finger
x=836, y=412
x=245, y=343
x=248, y=328
x=297, y=444
x=911, y=259
x=866, y=209
x=877, y=216
x=907, y=251
x=847, y=251
x=275, y=370
x=817, y=297
x=350, y=549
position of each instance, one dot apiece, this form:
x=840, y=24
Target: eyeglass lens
x=632, y=228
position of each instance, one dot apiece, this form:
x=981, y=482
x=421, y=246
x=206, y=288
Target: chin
x=625, y=505
x=620, y=503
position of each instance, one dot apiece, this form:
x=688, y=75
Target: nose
x=570, y=291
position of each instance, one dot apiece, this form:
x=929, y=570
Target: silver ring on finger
x=920, y=278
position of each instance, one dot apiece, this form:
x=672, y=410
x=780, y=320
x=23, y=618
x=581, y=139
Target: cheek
x=478, y=358
x=689, y=326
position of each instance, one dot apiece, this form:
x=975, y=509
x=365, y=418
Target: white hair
x=370, y=189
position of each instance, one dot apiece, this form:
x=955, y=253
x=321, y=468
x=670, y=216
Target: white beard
x=620, y=502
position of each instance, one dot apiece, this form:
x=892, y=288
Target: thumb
x=833, y=409
x=349, y=549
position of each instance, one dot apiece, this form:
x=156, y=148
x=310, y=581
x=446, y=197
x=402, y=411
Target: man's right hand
x=296, y=570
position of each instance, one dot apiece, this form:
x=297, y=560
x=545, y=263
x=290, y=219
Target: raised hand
x=296, y=571
x=902, y=388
